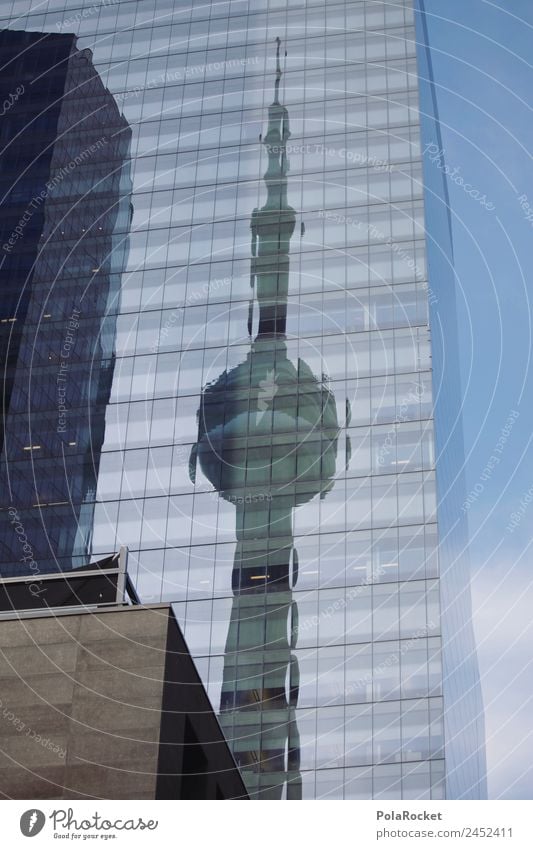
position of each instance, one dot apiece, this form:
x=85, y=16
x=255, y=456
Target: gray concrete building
x=107, y=704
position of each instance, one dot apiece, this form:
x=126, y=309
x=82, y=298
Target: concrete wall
x=85, y=710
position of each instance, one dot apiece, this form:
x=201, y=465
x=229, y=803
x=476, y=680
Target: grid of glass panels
x=466, y=768
x=65, y=209
x=361, y=623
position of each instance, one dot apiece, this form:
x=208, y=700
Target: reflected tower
x=267, y=442
x=383, y=552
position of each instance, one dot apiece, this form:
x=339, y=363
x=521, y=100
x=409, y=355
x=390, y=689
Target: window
x=358, y=615
x=415, y=731
x=387, y=742
x=358, y=735
x=359, y=674
x=413, y=615
x=330, y=737
x=385, y=612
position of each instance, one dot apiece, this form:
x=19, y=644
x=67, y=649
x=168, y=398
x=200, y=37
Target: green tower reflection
x=267, y=442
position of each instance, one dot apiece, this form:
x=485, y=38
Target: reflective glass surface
x=64, y=220
x=464, y=717
x=268, y=455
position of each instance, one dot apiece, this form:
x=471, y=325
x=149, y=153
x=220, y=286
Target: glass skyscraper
x=64, y=188
x=269, y=455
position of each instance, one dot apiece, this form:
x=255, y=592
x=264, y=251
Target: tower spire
x=278, y=72
x=272, y=225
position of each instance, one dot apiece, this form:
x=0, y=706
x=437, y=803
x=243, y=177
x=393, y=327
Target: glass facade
x=464, y=715
x=269, y=451
x=65, y=210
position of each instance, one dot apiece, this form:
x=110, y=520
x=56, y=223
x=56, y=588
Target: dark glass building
x=65, y=212
x=270, y=454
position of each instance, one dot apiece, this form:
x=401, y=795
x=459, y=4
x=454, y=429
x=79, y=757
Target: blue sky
x=480, y=52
